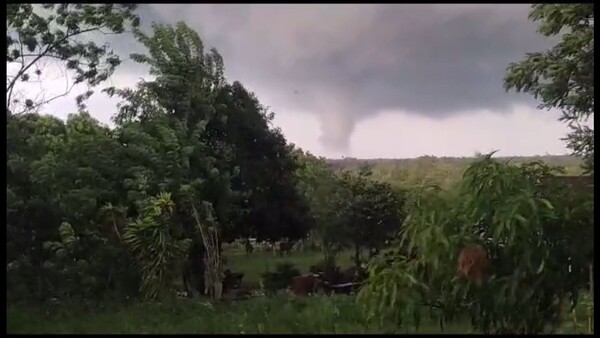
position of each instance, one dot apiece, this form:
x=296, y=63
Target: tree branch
x=14, y=80
x=43, y=102
x=41, y=55
x=54, y=57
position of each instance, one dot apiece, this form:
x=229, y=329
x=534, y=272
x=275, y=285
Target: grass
x=278, y=314
x=281, y=314
x=255, y=264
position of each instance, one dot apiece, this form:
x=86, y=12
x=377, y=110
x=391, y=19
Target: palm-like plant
x=155, y=250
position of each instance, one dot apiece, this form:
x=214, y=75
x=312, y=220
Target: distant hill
x=444, y=171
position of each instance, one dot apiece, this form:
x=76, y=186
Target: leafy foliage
x=372, y=213
x=563, y=77
x=59, y=173
x=127, y=192
x=154, y=248
x=252, y=186
x=52, y=32
x=348, y=209
x=326, y=200
x=527, y=231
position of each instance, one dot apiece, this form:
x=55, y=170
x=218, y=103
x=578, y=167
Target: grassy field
x=255, y=264
x=281, y=314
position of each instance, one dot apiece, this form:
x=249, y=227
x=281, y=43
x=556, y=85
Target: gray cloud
x=346, y=63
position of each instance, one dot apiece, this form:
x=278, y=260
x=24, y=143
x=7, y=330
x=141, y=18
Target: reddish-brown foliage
x=473, y=264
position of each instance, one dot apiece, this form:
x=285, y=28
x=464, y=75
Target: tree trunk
x=357, y=255
x=212, y=256
x=218, y=289
x=193, y=274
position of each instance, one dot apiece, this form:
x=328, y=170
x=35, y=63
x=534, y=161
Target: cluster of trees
x=86, y=203
x=349, y=209
x=95, y=211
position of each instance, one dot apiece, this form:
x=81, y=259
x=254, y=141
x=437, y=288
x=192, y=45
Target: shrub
x=280, y=279
x=528, y=230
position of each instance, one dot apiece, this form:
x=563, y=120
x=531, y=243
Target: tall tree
x=327, y=200
x=251, y=160
x=181, y=101
x=39, y=33
x=182, y=96
x=234, y=160
x=563, y=76
x=372, y=214
x=271, y=207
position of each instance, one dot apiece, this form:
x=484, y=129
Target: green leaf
x=546, y=203
x=541, y=267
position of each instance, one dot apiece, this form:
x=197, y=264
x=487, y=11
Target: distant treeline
x=444, y=171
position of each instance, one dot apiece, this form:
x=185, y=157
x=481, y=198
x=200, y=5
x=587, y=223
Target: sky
x=367, y=80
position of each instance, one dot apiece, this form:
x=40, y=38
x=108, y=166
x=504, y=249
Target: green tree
x=372, y=214
x=181, y=99
x=348, y=209
x=530, y=234
x=157, y=252
x=253, y=191
x=563, y=76
x=327, y=200
x=233, y=159
x=158, y=156
x=81, y=196
x=30, y=139
x=38, y=33
x=62, y=174
x=270, y=205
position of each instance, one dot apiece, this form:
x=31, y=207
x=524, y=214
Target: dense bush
x=537, y=241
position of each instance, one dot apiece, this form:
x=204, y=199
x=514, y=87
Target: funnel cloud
x=347, y=63
x=343, y=66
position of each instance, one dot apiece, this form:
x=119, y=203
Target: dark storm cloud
x=345, y=63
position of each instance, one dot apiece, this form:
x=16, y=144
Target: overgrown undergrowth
x=282, y=314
